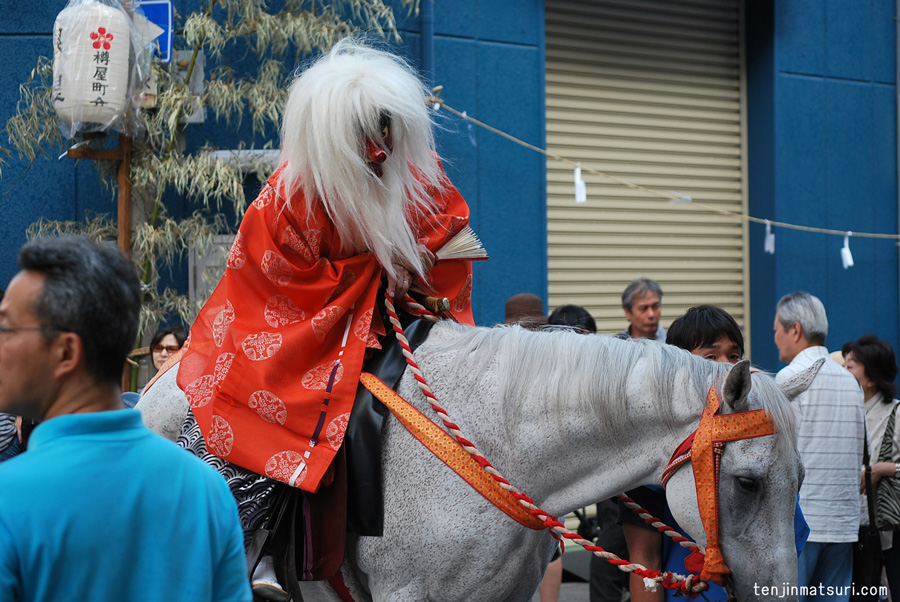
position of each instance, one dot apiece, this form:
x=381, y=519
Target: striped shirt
x=7, y=430
x=830, y=441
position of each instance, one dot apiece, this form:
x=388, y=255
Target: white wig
x=332, y=109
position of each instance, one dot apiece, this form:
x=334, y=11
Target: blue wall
x=490, y=60
x=45, y=189
x=823, y=153
x=822, y=150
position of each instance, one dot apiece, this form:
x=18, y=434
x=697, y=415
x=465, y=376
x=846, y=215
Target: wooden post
x=123, y=156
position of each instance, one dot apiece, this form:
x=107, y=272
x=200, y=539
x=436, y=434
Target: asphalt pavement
x=570, y=592
x=573, y=592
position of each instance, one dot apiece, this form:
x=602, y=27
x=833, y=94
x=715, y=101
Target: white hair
x=332, y=109
x=806, y=310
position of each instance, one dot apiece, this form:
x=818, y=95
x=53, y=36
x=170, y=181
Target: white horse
x=568, y=419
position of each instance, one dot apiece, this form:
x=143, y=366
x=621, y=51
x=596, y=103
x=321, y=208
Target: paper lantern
x=91, y=50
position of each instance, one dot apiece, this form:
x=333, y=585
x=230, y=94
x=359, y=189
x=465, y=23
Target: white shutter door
x=648, y=91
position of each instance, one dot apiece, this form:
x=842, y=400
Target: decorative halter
x=703, y=448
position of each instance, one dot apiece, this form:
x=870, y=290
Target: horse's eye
x=748, y=484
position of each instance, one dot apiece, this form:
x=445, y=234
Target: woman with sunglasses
x=165, y=343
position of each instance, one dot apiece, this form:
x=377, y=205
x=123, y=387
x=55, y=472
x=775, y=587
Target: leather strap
x=365, y=501
x=450, y=452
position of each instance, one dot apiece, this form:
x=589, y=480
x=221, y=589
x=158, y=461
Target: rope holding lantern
x=93, y=59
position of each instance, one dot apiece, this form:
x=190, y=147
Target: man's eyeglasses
x=10, y=329
x=169, y=348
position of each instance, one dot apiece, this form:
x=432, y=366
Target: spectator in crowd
x=165, y=343
x=573, y=316
x=9, y=433
x=9, y=436
x=712, y=333
x=526, y=310
x=872, y=361
x=830, y=440
x=100, y=508
x=642, y=303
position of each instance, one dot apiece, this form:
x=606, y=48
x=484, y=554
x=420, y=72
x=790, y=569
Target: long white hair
x=332, y=109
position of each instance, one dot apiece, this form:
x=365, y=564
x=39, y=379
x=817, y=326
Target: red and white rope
x=415, y=308
x=658, y=524
x=689, y=585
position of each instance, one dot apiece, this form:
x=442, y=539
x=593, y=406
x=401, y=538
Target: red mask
x=377, y=150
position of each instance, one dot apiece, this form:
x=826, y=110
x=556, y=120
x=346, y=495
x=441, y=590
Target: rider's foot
x=265, y=583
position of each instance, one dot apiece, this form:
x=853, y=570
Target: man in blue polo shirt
x=99, y=508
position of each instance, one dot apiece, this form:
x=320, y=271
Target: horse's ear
x=799, y=382
x=737, y=386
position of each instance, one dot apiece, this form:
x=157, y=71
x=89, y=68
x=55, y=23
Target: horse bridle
x=703, y=448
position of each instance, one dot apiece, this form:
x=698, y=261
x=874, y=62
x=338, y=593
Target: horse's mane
x=766, y=394
x=556, y=363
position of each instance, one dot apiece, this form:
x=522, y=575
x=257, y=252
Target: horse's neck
x=567, y=458
x=582, y=460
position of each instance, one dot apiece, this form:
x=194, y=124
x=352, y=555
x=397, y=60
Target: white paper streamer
x=846, y=255
x=470, y=129
x=769, y=245
x=580, y=187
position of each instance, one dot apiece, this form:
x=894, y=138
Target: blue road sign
x=159, y=12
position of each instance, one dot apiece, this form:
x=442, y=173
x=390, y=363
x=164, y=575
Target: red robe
x=273, y=361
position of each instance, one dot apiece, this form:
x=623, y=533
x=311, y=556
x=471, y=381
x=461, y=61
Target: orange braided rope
x=448, y=451
x=689, y=585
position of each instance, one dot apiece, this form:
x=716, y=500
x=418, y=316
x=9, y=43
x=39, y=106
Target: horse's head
x=758, y=482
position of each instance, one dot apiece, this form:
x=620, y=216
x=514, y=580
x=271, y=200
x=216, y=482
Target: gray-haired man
x=830, y=442
x=642, y=302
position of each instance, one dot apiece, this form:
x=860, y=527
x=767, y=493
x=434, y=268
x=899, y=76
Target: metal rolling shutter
x=649, y=91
